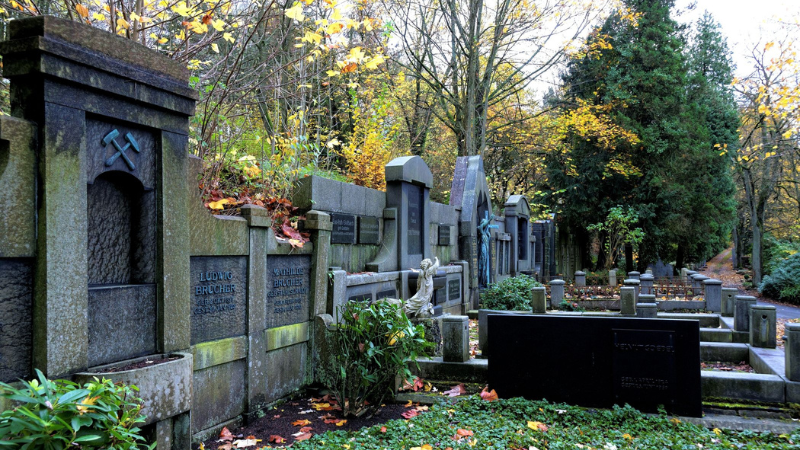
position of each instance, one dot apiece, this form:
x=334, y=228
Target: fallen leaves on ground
x=275, y=439
x=301, y=423
x=455, y=391
x=225, y=434
x=487, y=395
x=410, y=413
x=250, y=441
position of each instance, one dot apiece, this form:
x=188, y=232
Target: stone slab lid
x=411, y=169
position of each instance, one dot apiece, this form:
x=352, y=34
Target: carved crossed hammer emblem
x=111, y=139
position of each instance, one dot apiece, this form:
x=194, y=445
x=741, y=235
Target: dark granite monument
x=597, y=362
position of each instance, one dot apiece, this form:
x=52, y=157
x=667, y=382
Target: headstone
x=762, y=326
x=368, y=230
x=612, y=277
x=741, y=315
x=219, y=297
x=344, y=229
x=646, y=310
x=580, y=279
x=539, y=300
x=288, y=289
x=627, y=301
x=455, y=336
x=792, y=351
x=713, y=294
x=408, y=183
x=728, y=298
x=642, y=363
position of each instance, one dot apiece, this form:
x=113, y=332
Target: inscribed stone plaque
x=644, y=367
x=122, y=322
x=288, y=289
x=344, y=229
x=444, y=235
x=16, y=299
x=473, y=257
x=219, y=297
x=368, y=230
x=454, y=290
x=414, y=219
x=642, y=362
x=388, y=293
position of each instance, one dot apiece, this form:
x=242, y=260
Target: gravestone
x=344, y=229
x=408, y=183
x=642, y=362
x=517, y=214
x=219, y=297
x=288, y=289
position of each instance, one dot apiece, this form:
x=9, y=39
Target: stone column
x=646, y=284
x=320, y=226
x=647, y=298
x=697, y=283
x=634, y=283
x=580, y=279
x=683, y=273
x=612, y=277
x=762, y=326
x=727, y=305
x=627, y=301
x=741, y=315
x=713, y=294
x=455, y=336
x=792, y=351
x=649, y=271
x=556, y=292
x=633, y=275
x=539, y=300
x=646, y=310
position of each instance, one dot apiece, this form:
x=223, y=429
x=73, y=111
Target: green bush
x=776, y=252
x=598, y=278
x=367, y=350
x=512, y=294
x=784, y=282
x=569, y=306
x=60, y=414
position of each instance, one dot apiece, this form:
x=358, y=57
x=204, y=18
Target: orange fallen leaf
x=383, y=429
x=226, y=434
x=341, y=422
x=455, y=391
x=463, y=432
x=303, y=437
x=305, y=429
x=275, y=439
x=301, y=423
x=410, y=413
x=488, y=396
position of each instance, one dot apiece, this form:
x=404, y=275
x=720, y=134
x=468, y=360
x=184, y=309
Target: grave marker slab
x=344, y=229
x=643, y=362
x=219, y=297
x=368, y=232
x=454, y=290
x=414, y=218
x=288, y=289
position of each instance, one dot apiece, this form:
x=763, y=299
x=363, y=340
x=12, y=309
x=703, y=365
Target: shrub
x=368, y=349
x=60, y=414
x=599, y=278
x=569, y=306
x=512, y=294
x=784, y=282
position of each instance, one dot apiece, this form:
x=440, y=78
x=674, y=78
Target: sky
x=742, y=21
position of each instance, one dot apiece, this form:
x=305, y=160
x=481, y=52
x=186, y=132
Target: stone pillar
x=697, y=283
x=741, y=315
x=649, y=271
x=713, y=294
x=556, y=292
x=646, y=284
x=762, y=326
x=580, y=279
x=634, y=283
x=627, y=301
x=539, y=300
x=792, y=351
x=647, y=298
x=646, y=310
x=683, y=273
x=455, y=336
x=633, y=275
x=612, y=277
x=727, y=305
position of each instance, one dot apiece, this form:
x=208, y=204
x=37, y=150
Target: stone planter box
x=671, y=305
x=165, y=388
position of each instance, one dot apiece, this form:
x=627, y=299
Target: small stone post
x=684, y=275
x=792, y=351
x=539, y=300
x=580, y=279
x=612, y=277
x=649, y=271
x=627, y=301
x=713, y=294
x=727, y=305
x=647, y=298
x=646, y=310
x=634, y=283
x=762, y=326
x=741, y=315
x=633, y=275
x=556, y=292
x=455, y=334
x=646, y=284
x=697, y=283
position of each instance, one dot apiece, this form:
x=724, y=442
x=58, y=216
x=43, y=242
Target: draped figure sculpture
x=484, y=275
x=420, y=306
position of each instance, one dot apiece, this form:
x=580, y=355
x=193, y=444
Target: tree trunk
x=679, y=257
x=628, y=259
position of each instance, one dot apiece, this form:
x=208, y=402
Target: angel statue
x=420, y=305
x=484, y=275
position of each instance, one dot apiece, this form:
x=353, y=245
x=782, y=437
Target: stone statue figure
x=483, y=253
x=420, y=305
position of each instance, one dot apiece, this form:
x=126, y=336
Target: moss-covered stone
x=286, y=336
x=223, y=351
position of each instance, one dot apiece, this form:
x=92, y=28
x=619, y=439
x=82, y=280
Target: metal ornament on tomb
x=288, y=289
x=219, y=297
